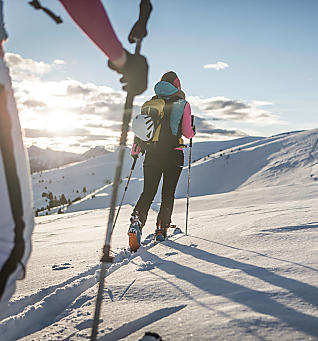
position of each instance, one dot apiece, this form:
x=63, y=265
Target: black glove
x=139, y=30
x=135, y=73
x=194, y=130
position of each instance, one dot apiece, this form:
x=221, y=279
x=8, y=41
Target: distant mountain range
x=43, y=159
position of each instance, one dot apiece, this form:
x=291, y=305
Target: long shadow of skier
x=131, y=327
x=300, y=289
x=207, y=306
x=292, y=228
x=255, y=252
x=258, y=301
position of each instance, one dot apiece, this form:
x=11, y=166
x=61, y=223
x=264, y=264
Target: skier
x=163, y=157
x=16, y=213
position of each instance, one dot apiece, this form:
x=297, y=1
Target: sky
x=247, y=67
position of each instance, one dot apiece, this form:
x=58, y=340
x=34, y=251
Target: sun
x=60, y=121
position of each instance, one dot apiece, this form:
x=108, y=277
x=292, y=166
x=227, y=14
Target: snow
x=247, y=270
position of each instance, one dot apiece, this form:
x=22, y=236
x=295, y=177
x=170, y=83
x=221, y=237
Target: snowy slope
x=70, y=180
x=96, y=175
x=202, y=149
x=248, y=269
x=257, y=162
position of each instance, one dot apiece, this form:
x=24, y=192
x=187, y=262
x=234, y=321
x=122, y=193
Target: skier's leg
x=152, y=175
x=171, y=174
x=16, y=223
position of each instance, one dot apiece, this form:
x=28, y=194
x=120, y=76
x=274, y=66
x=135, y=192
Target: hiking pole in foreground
x=107, y=259
x=189, y=170
x=138, y=30
x=122, y=200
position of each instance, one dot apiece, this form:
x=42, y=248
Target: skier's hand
x=135, y=73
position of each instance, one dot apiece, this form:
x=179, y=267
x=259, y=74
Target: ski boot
x=160, y=233
x=134, y=233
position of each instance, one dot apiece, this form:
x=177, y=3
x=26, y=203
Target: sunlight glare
x=59, y=122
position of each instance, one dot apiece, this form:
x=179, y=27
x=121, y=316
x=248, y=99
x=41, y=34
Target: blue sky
x=269, y=84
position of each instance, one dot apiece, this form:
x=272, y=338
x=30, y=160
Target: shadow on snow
x=258, y=301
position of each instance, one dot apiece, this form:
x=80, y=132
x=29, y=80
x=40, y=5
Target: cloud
x=217, y=66
x=22, y=68
x=32, y=103
x=225, y=109
x=69, y=112
x=204, y=127
x=35, y=133
x=59, y=62
x=93, y=138
x=78, y=89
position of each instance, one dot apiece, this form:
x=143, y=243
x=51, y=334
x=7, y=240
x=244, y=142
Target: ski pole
x=107, y=259
x=138, y=30
x=189, y=171
x=122, y=200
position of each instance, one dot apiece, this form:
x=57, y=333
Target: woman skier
x=163, y=157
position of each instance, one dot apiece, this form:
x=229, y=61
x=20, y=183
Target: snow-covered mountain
x=44, y=159
x=247, y=270
x=94, y=152
x=217, y=167
x=88, y=183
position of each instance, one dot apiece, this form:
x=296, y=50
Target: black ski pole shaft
x=145, y=9
x=107, y=259
x=125, y=190
x=189, y=172
x=188, y=189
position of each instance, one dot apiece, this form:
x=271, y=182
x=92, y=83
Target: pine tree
x=63, y=200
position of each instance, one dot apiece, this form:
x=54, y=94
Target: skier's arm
x=91, y=17
x=187, y=130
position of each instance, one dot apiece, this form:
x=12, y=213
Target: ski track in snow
x=51, y=304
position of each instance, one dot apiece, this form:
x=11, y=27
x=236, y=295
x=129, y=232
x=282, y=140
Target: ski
x=176, y=230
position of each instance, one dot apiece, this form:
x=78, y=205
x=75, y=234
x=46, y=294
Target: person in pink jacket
x=165, y=159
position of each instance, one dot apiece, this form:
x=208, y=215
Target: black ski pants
x=169, y=165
